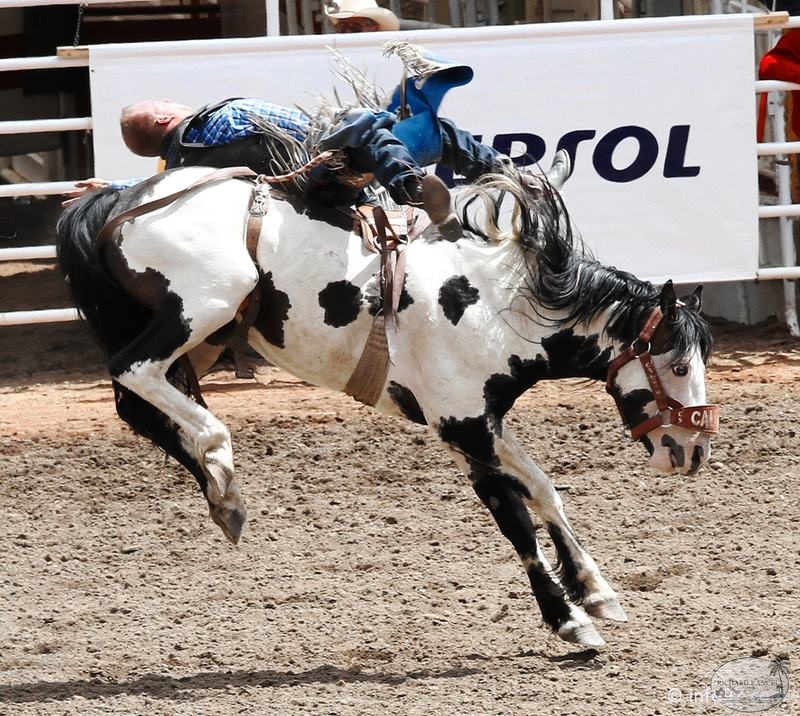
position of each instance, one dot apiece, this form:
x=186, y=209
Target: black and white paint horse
x=481, y=320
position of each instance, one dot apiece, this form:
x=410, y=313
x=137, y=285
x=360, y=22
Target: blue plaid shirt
x=232, y=122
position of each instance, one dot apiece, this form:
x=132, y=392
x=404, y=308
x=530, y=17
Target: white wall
x=688, y=213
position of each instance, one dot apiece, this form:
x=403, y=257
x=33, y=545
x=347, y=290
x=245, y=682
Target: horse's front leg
x=505, y=497
x=580, y=574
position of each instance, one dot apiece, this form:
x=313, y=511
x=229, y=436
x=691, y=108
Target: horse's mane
x=560, y=275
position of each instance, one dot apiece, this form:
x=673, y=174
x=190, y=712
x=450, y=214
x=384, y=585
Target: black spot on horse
x=372, y=296
x=550, y=596
x=405, y=299
x=407, y=402
x=677, y=450
x=632, y=408
x=374, y=299
x=503, y=494
x=455, y=296
x=572, y=356
x=341, y=301
x=273, y=311
x=697, y=458
x=501, y=390
x=166, y=331
x=470, y=436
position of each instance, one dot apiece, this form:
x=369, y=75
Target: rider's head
x=144, y=124
x=360, y=16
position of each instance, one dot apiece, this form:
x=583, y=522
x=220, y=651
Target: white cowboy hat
x=343, y=9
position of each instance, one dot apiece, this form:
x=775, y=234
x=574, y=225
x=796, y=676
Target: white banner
x=659, y=113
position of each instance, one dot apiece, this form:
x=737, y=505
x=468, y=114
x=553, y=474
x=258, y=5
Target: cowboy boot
x=560, y=170
x=437, y=203
x=435, y=198
x=556, y=176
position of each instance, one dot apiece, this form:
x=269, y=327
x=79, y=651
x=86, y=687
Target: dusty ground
x=369, y=579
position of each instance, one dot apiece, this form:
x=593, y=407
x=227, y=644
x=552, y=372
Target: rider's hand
x=82, y=188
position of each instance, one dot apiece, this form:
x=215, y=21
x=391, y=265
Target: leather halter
x=697, y=418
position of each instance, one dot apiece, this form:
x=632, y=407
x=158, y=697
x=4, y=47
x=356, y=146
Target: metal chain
x=77, y=37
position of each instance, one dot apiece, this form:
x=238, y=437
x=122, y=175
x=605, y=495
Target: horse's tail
x=113, y=317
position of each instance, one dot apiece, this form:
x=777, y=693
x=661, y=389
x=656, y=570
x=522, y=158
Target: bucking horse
x=462, y=327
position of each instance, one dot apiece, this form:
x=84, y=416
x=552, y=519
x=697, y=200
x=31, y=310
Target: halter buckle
x=635, y=347
x=259, y=201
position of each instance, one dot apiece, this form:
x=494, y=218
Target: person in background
x=360, y=16
x=782, y=63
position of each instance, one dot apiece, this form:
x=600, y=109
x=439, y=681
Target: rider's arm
x=87, y=186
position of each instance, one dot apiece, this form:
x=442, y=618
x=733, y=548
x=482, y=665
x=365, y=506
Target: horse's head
x=659, y=385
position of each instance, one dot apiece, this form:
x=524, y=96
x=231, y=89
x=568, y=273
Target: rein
x=697, y=418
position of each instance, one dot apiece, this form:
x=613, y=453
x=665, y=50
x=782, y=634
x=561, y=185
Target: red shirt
x=782, y=62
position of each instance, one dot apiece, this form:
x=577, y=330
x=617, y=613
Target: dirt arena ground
x=369, y=579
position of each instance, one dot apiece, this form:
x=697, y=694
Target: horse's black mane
x=562, y=276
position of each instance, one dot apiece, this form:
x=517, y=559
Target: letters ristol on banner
x=647, y=152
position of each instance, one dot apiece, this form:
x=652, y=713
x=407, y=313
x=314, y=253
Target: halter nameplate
x=702, y=418
x=697, y=418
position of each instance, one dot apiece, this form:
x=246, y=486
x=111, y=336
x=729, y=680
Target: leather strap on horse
x=697, y=418
x=368, y=377
x=225, y=173
x=259, y=202
x=108, y=230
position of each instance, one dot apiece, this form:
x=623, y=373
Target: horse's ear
x=668, y=301
x=694, y=300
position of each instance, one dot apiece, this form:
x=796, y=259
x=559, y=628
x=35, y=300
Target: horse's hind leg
x=149, y=422
x=141, y=367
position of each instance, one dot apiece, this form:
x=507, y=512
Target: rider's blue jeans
x=373, y=147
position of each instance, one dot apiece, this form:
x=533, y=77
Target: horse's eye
x=680, y=370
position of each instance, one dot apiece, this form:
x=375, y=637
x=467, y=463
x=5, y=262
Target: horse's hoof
x=230, y=515
x=229, y=520
x=219, y=470
x=609, y=610
x=583, y=634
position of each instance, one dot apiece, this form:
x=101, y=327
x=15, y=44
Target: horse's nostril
x=697, y=457
x=676, y=454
